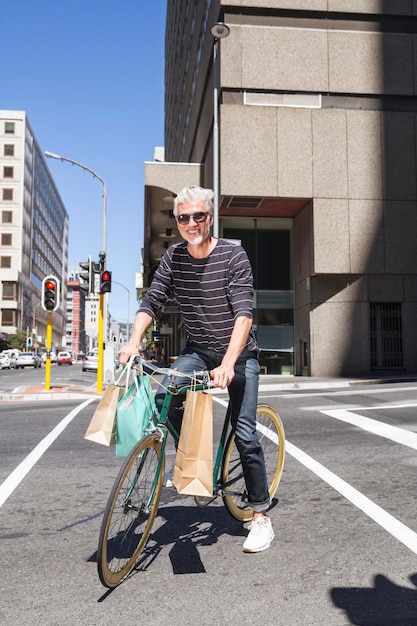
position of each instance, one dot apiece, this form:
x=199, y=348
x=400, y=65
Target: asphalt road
x=345, y=526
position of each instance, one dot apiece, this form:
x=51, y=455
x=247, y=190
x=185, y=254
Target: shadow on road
x=385, y=604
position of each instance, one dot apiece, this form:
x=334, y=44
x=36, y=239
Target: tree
x=18, y=340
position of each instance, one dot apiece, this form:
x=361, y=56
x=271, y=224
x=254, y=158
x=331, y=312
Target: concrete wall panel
x=248, y=151
x=400, y=236
x=370, y=63
x=340, y=339
x=282, y=59
x=385, y=288
x=399, y=156
x=364, y=154
x=329, y=154
x=331, y=236
x=388, y=7
x=303, y=244
x=366, y=236
x=295, y=174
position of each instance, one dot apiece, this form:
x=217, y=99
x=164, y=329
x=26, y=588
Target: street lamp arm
x=52, y=155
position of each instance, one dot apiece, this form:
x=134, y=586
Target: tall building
x=33, y=232
x=76, y=340
x=317, y=169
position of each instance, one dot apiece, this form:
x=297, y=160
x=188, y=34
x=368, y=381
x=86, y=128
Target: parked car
x=53, y=357
x=64, y=358
x=4, y=362
x=90, y=361
x=12, y=353
x=28, y=359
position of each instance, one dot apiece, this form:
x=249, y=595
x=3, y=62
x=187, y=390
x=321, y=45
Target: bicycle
x=134, y=499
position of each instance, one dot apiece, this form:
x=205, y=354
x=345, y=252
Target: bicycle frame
x=162, y=424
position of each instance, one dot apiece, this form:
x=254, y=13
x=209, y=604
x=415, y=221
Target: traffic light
x=29, y=342
x=87, y=276
x=105, y=281
x=50, y=293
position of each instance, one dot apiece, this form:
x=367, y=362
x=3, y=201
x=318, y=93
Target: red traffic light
x=105, y=281
x=50, y=293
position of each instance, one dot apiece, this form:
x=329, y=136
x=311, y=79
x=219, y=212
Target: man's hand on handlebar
x=222, y=376
x=125, y=353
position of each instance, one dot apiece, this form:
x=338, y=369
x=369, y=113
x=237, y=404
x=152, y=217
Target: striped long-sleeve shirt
x=211, y=292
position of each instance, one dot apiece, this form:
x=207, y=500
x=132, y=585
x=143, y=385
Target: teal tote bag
x=134, y=411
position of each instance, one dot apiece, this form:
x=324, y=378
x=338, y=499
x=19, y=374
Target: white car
x=90, y=361
x=5, y=363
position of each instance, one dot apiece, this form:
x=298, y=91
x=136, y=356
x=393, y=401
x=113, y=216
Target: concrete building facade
x=33, y=232
x=317, y=125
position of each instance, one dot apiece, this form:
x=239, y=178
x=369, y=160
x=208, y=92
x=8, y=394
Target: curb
x=274, y=384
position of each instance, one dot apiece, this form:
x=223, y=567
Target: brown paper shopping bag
x=193, y=471
x=102, y=428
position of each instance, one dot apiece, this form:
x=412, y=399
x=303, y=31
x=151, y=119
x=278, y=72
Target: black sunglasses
x=198, y=216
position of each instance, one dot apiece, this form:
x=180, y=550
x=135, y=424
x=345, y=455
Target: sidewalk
x=266, y=383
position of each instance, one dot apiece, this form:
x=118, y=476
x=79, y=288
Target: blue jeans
x=243, y=394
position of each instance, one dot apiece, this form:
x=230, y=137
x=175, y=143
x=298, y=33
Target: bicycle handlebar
x=196, y=378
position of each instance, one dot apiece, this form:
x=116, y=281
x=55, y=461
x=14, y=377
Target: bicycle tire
x=272, y=438
x=127, y=524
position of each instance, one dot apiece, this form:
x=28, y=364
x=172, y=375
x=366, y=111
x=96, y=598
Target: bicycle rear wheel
x=272, y=438
x=130, y=511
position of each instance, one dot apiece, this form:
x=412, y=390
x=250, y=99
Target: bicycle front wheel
x=130, y=511
x=272, y=439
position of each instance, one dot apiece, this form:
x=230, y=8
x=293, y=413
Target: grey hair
x=195, y=194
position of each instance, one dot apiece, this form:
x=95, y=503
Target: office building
x=33, y=233
x=317, y=171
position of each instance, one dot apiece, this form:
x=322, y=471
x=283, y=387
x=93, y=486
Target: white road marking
x=385, y=520
x=397, y=529
x=399, y=435
x=15, y=478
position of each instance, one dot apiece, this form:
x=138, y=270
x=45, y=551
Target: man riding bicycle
x=211, y=281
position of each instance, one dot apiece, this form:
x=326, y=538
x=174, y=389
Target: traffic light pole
x=48, y=353
x=100, y=362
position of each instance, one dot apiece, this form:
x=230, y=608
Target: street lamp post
x=128, y=306
x=100, y=367
x=219, y=31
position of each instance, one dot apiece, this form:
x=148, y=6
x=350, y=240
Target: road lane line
x=399, y=435
x=394, y=527
x=397, y=529
x=16, y=477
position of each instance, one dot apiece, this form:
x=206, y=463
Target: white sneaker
x=168, y=476
x=260, y=535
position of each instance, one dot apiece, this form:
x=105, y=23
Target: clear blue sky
x=90, y=76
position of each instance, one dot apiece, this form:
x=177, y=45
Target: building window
x=386, y=335
x=7, y=194
x=5, y=262
x=9, y=128
x=9, y=291
x=7, y=171
x=6, y=217
x=6, y=239
x=9, y=150
x=7, y=317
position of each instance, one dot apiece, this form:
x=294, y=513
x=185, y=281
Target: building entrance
x=268, y=243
